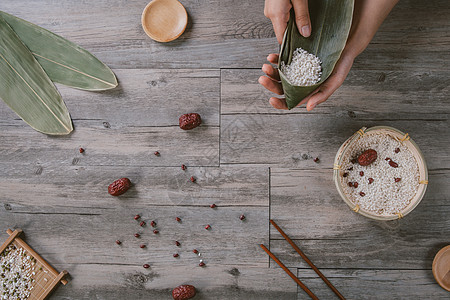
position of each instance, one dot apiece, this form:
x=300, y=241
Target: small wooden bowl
x=164, y=20
x=441, y=268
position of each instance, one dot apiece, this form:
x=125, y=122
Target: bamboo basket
x=46, y=278
x=405, y=140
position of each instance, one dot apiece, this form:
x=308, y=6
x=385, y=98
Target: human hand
x=278, y=12
x=319, y=95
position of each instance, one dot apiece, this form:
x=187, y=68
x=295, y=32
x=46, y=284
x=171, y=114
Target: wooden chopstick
x=308, y=261
x=301, y=284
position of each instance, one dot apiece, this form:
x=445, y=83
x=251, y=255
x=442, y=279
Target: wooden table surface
x=248, y=158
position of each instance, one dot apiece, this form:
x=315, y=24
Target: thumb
x=302, y=17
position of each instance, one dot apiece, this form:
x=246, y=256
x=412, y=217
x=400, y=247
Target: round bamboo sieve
x=409, y=143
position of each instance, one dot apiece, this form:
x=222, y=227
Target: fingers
x=324, y=91
x=302, y=17
x=279, y=26
x=278, y=12
x=273, y=86
x=273, y=58
x=271, y=72
x=278, y=103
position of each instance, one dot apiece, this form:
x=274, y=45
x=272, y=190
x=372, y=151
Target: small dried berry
x=201, y=264
x=136, y=235
x=316, y=160
x=387, y=158
x=393, y=164
x=350, y=169
x=195, y=251
x=367, y=157
x=142, y=224
x=146, y=266
x=242, y=217
x=118, y=242
x=81, y=150
x=362, y=194
x=361, y=173
x=397, y=150
x=178, y=219
x=207, y=227
x=213, y=205
x=153, y=223
x=137, y=217
x=345, y=174
x=183, y=167
x=350, y=184
x=397, y=179
x=193, y=179
x=183, y=292
x=175, y=255
x=119, y=186
x=157, y=153
x=142, y=246
x=177, y=243
x=190, y=121
x=155, y=231
x=355, y=184
x=371, y=180
x=353, y=161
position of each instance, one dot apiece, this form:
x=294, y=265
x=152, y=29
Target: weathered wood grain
x=293, y=140
x=48, y=187
x=88, y=238
x=333, y=236
x=230, y=34
x=366, y=94
x=123, y=146
x=374, y=284
x=112, y=281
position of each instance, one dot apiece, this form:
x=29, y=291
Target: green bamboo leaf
x=63, y=61
x=26, y=88
x=330, y=21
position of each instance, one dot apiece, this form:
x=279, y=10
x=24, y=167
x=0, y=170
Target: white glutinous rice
x=378, y=192
x=304, y=69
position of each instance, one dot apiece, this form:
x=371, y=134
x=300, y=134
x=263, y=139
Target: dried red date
x=119, y=186
x=190, y=121
x=355, y=184
x=367, y=157
x=371, y=180
x=361, y=173
x=183, y=292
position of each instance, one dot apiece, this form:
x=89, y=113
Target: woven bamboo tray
x=46, y=278
x=406, y=140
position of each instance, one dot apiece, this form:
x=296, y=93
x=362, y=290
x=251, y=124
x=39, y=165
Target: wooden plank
x=366, y=94
x=50, y=189
x=125, y=146
x=306, y=205
x=90, y=238
x=374, y=284
x=293, y=140
x=144, y=98
x=126, y=125
x=235, y=34
x=112, y=281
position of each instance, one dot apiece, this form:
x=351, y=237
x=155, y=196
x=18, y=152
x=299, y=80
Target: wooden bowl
x=408, y=142
x=441, y=268
x=164, y=20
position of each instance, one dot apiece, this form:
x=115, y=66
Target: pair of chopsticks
x=305, y=258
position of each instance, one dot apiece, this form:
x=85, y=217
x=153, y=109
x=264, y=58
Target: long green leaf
x=330, y=21
x=27, y=89
x=63, y=61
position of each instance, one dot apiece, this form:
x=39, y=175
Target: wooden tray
x=46, y=278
